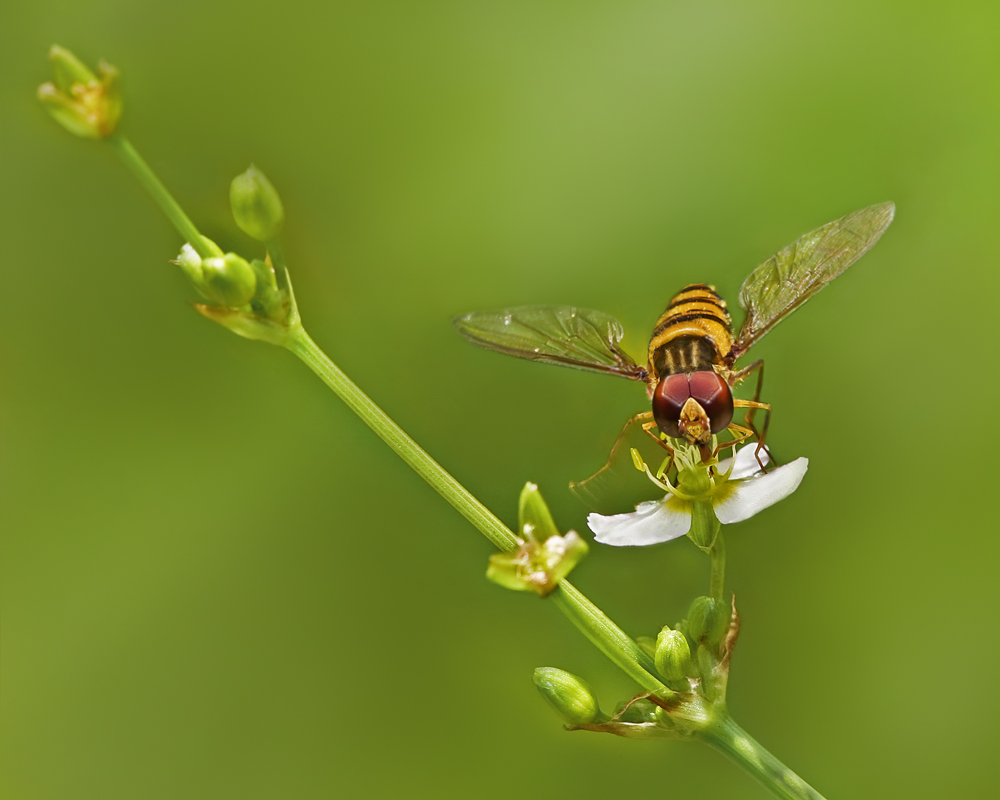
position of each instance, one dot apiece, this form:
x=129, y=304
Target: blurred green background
x=217, y=583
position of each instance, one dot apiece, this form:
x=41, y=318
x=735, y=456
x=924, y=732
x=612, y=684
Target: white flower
x=735, y=497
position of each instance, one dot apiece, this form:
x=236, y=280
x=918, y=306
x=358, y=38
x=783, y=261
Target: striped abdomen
x=694, y=333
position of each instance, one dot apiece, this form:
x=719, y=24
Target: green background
x=217, y=583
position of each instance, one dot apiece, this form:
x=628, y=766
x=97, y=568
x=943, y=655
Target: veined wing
x=573, y=337
x=793, y=275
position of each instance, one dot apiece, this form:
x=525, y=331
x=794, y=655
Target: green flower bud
x=572, y=699
x=256, y=205
x=85, y=104
x=707, y=620
x=190, y=262
x=228, y=281
x=673, y=655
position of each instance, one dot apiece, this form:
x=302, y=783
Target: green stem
x=397, y=439
x=608, y=638
x=597, y=627
x=717, y=554
x=735, y=743
x=140, y=169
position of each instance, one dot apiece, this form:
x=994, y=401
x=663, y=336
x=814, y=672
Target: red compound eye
x=669, y=396
x=713, y=394
x=708, y=388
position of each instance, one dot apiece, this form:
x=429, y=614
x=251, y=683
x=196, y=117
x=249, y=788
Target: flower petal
x=748, y=497
x=652, y=522
x=746, y=462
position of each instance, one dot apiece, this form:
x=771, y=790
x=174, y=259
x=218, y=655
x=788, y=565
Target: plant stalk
x=140, y=169
x=594, y=624
x=736, y=744
x=717, y=554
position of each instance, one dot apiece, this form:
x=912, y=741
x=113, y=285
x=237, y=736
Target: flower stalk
x=152, y=184
x=717, y=557
x=742, y=749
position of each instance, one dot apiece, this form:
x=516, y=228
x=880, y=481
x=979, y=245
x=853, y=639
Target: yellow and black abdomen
x=694, y=333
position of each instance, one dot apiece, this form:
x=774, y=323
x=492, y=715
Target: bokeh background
x=217, y=583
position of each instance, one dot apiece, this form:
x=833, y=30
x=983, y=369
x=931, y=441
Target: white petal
x=746, y=462
x=652, y=522
x=748, y=497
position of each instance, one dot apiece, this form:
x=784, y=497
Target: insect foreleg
x=758, y=367
x=581, y=488
x=647, y=429
x=762, y=436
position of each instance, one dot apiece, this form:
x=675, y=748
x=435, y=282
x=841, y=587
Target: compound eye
x=669, y=396
x=713, y=394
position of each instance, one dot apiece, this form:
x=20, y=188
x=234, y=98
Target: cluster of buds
x=253, y=299
x=693, y=660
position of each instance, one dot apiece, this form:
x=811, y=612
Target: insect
x=691, y=361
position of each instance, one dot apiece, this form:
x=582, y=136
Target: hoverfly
x=691, y=361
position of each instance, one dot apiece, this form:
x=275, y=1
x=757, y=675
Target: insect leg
x=583, y=488
x=758, y=367
x=753, y=405
x=740, y=435
x=647, y=428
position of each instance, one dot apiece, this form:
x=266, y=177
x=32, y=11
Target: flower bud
x=190, y=262
x=707, y=620
x=572, y=699
x=85, y=104
x=256, y=205
x=673, y=655
x=228, y=280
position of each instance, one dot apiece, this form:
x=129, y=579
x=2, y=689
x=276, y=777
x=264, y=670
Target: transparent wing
x=790, y=277
x=573, y=337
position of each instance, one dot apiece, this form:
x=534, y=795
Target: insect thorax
x=694, y=333
x=684, y=354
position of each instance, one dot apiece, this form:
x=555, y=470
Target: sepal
x=534, y=520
